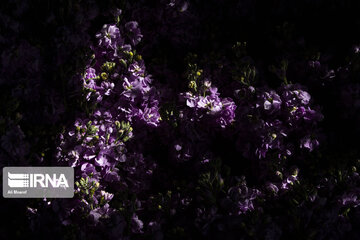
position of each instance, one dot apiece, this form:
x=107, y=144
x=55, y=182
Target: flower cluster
x=111, y=157
x=276, y=117
x=118, y=91
x=206, y=102
x=174, y=129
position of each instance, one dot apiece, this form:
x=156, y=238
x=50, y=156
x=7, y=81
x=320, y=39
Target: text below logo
x=38, y=182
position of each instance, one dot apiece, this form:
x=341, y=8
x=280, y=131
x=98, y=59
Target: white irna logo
x=38, y=182
x=26, y=180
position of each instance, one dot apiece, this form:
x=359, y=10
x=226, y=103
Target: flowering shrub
x=178, y=128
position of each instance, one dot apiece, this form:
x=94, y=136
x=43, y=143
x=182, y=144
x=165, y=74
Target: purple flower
x=289, y=181
x=240, y=199
x=309, y=143
x=272, y=188
x=88, y=168
x=136, y=224
x=110, y=37
x=270, y=101
x=134, y=32
x=100, y=212
x=350, y=199
x=227, y=113
x=151, y=116
x=272, y=135
x=107, y=196
x=222, y=111
x=111, y=175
